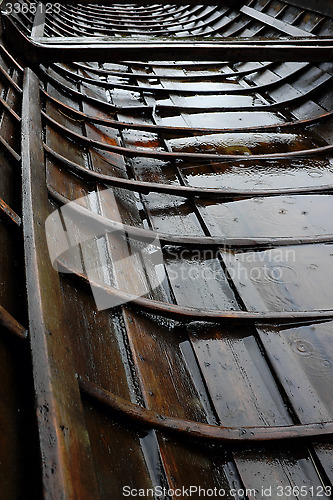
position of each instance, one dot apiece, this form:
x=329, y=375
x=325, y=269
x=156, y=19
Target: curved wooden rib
x=141, y=234
x=115, y=25
x=159, y=11
x=149, y=419
x=190, y=314
x=158, y=17
x=133, y=152
x=12, y=325
x=112, y=27
x=166, y=90
x=208, y=77
x=183, y=191
x=132, y=22
x=276, y=106
x=10, y=150
x=9, y=213
x=11, y=58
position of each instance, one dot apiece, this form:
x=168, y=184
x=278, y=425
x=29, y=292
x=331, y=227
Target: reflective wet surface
x=266, y=174
x=227, y=373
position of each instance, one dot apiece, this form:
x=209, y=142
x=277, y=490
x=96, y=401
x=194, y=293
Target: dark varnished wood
x=58, y=401
x=11, y=324
x=210, y=354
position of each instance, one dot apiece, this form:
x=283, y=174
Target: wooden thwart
x=107, y=49
x=67, y=464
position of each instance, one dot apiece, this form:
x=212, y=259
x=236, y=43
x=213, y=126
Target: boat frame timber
x=57, y=387
x=38, y=49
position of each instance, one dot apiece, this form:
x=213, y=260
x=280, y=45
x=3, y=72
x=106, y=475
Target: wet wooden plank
x=159, y=352
x=302, y=359
x=19, y=451
x=155, y=360
x=63, y=439
x=150, y=343
x=243, y=390
x=283, y=215
x=177, y=459
x=294, y=286
x=264, y=174
x=111, y=365
x=292, y=278
x=116, y=447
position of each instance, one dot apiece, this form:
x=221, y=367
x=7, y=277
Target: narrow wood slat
x=68, y=470
x=11, y=58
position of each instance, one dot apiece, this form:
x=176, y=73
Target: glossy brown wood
x=43, y=51
x=11, y=324
x=19, y=450
x=198, y=345
x=147, y=418
x=183, y=191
